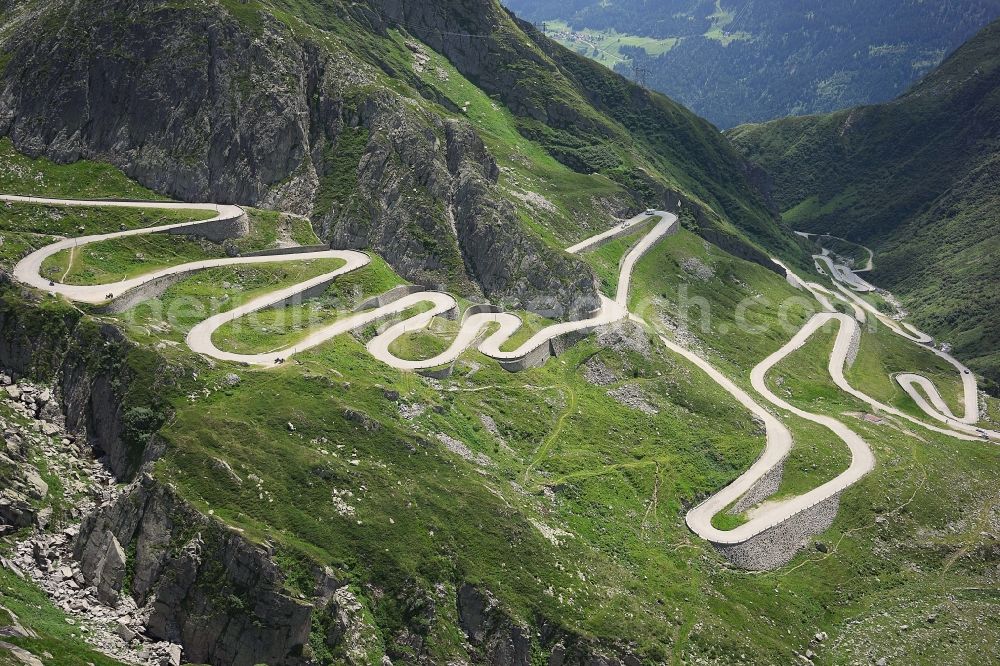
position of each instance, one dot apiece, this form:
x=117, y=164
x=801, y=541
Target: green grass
x=605, y=46
x=726, y=521
x=605, y=465
x=185, y=304
x=277, y=328
x=55, y=636
x=531, y=323
x=469, y=521
x=883, y=354
x=737, y=311
x=606, y=259
x=28, y=227
x=803, y=379
x=426, y=343
x=269, y=228
x=115, y=260
x=74, y=221
x=118, y=259
x=84, y=179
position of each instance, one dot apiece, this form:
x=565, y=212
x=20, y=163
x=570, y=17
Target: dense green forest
x=737, y=61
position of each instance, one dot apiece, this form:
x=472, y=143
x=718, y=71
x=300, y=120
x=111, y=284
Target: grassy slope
x=280, y=327
x=914, y=178
x=25, y=227
x=121, y=258
x=620, y=483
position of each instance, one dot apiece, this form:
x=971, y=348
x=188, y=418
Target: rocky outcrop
x=78, y=85
x=510, y=264
x=427, y=200
x=201, y=585
x=263, y=116
x=501, y=641
x=93, y=381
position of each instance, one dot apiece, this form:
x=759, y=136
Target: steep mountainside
x=734, y=61
x=328, y=110
x=193, y=471
x=916, y=179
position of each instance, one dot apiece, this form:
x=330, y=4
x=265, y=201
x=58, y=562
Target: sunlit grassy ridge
x=605, y=46
x=123, y=258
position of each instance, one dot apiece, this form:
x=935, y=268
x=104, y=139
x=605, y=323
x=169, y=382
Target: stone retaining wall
x=216, y=231
x=532, y=359
x=766, y=486
x=144, y=292
x=852, y=351
x=482, y=308
x=298, y=249
x=628, y=231
x=776, y=546
x=390, y=296
x=312, y=292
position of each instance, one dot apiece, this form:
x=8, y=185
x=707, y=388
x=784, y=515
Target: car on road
x=650, y=211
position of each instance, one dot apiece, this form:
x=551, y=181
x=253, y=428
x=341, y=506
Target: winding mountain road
x=199, y=339
x=918, y=387
x=504, y=325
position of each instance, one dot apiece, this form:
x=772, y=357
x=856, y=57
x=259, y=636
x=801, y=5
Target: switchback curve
x=199, y=339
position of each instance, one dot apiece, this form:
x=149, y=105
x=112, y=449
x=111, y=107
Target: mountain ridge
x=738, y=62
x=324, y=54
x=911, y=177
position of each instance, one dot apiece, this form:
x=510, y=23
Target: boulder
x=103, y=566
x=37, y=488
x=15, y=509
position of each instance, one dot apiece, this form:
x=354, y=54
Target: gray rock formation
x=91, y=386
x=765, y=486
x=500, y=640
x=205, y=586
x=259, y=115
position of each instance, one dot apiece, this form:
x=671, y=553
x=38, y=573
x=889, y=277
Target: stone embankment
x=35, y=440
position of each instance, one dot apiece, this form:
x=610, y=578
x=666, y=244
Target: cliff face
x=199, y=105
x=92, y=378
x=199, y=585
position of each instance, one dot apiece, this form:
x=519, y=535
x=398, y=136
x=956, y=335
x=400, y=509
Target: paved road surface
x=199, y=339
x=778, y=437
